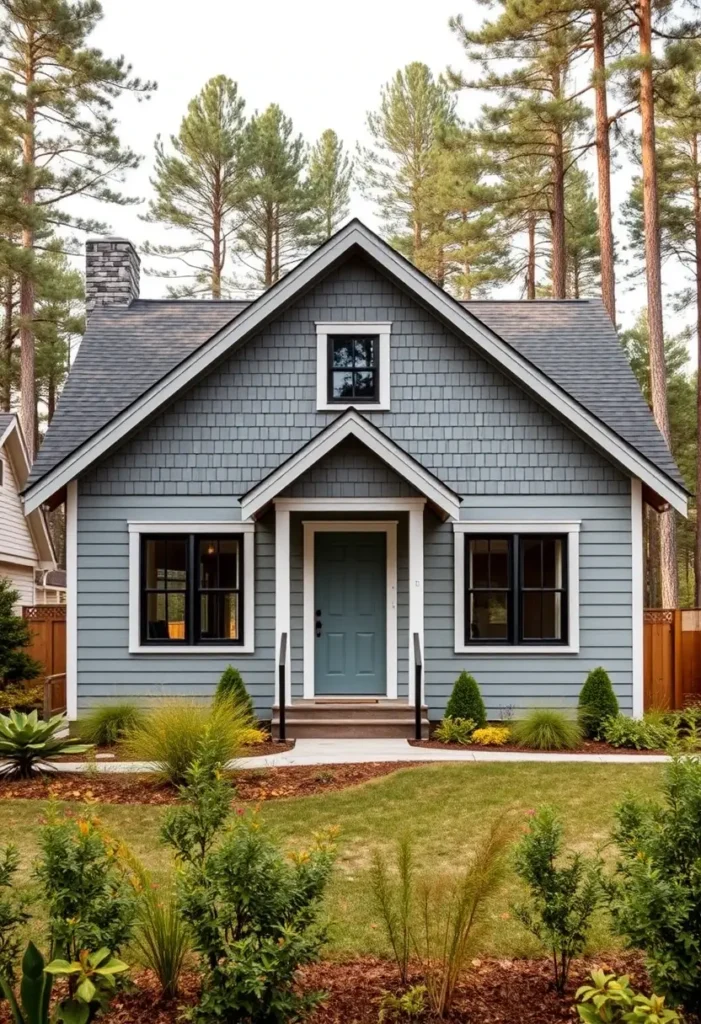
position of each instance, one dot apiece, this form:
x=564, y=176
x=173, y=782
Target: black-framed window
x=191, y=589
x=516, y=589
x=353, y=368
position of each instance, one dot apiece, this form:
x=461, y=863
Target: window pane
x=532, y=575
x=365, y=383
x=364, y=352
x=498, y=563
x=342, y=384
x=552, y=563
x=489, y=616
x=177, y=564
x=479, y=563
x=209, y=576
x=542, y=615
x=165, y=616
x=229, y=563
x=219, y=617
x=156, y=564
x=176, y=616
x=342, y=352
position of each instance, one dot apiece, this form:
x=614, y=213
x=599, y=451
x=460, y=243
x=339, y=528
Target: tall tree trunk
x=530, y=271
x=603, y=163
x=216, y=240
x=557, y=213
x=7, y=338
x=697, y=255
x=269, y=239
x=653, y=264
x=27, y=409
x=575, y=277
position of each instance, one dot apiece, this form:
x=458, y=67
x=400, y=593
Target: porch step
x=328, y=719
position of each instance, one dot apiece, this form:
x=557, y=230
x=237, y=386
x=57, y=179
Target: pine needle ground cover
x=446, y=806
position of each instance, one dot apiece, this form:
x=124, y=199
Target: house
x=360, y=464
x=25, y=542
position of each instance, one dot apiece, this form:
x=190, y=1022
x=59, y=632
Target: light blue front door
x=350, y=621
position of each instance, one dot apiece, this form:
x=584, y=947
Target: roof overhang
x=12, y=441
x=351, y=424
x=356, y=237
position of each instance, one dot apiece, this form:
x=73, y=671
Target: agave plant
x=27, y=744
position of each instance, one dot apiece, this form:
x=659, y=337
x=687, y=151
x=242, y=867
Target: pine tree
x=15, y=664
x=58, y=323
x=277, y=229
x=597, y=702
x=536, y=41
x=231, y=687
x=200, y=188
x=329, y=183
x=582, y=237
x=399, y=169
x=466, y=701
x=60, y=92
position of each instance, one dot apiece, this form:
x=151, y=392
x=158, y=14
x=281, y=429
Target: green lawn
x=443, y=806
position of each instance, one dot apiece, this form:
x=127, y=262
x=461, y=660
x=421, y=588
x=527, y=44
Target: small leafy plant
x=410, y=1005
x=32, y=1006
x=455, y=730
x=13, y=912
x=608, y=1000
x=547, y=729
x=563, y=894
x=653, y=731
x=27, y=744
x=466, y=701
x=492, y=736
x=106, y=726
x=84, y=883
x=253, y=737
x=597, y=703
x=91, y=985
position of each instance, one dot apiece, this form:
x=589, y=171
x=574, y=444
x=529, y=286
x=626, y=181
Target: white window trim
x=506, y=526
x=389, y=528
x=136, y=528
x=383, y=329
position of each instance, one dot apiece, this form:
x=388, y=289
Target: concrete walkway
x=339, y=751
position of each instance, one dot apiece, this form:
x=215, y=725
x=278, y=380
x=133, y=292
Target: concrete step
x=349, y=720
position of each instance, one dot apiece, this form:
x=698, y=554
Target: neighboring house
x=353, y=460
x=50, y=586
x=25, y=542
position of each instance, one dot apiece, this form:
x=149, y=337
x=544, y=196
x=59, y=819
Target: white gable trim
x=12, y=441
x=285, y=291
x=350, y=424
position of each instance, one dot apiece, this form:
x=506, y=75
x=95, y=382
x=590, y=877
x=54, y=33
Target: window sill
x=509, y=649
x=193, y=649
x=358, y=406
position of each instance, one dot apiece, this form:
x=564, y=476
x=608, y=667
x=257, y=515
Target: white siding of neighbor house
x=22, y=579
x=15, y=538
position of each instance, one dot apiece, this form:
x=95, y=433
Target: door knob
x=318, y=625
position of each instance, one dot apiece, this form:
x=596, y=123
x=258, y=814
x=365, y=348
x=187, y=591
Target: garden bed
x=585, y=747
x=249, y=786
x=494, y=992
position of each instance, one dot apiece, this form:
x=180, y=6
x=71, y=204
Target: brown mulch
x=585, y=747
x=493, y=992
x=252, y=785
x=119, y=755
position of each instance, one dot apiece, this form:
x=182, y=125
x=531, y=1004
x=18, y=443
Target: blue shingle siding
x=450, y=410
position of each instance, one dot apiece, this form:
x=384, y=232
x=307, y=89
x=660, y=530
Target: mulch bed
x=585, y=747
x=251, y=785
x=493, y=992
x=118, y=755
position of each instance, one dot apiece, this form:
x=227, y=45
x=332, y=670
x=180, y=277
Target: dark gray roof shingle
x=127, y=350
x=6, y=419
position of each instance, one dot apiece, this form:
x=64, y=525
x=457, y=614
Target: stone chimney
x=111, y=272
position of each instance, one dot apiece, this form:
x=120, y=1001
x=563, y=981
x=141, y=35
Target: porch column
x=282, y=595
x=416, y=590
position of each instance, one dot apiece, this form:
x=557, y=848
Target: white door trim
x=389, y=528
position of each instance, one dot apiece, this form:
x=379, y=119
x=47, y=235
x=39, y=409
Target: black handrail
x=282, y=696
x=418, y=672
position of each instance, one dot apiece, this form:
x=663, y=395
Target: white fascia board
x=349, y=424
x=464, y=322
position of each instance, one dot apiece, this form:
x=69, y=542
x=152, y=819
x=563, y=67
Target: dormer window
x=353, y=365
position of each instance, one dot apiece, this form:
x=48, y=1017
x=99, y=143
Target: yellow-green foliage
x=492, y=736
x=253, y=737
x=455, y=730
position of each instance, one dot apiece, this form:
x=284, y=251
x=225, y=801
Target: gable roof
x=164, y=346
x=12, y=441
x=351, y=424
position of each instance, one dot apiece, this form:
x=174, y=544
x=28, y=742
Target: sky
x=323, y=62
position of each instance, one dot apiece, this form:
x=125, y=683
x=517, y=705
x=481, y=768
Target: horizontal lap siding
x=523, y=681
x=106, y=671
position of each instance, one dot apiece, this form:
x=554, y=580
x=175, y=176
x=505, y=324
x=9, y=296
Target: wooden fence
x=47, y=623
x=672, y=657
